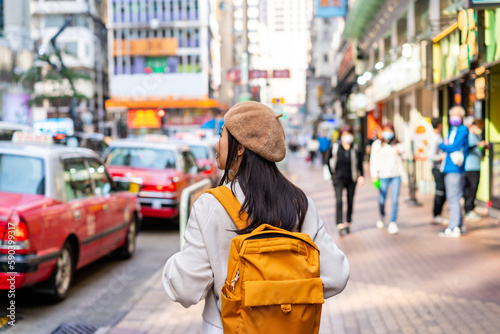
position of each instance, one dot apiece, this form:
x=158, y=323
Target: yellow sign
x=143, y=118
x=468, y=29
x=278, y=100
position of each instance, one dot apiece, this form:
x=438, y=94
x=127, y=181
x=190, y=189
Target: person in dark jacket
x=345, y=163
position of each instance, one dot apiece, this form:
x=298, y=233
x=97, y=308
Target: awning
x=360, y=17
x=166, y=104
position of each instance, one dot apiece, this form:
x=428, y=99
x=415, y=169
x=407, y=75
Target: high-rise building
x=289, y=38
x=83, y=48
x=15, y=57
x=163, y=61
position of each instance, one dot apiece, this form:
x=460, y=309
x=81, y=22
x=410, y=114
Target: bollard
x=185, y=205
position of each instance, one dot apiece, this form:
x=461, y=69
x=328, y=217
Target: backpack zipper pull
x=235, y=279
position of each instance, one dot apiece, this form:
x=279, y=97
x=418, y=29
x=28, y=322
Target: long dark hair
x=269, y=197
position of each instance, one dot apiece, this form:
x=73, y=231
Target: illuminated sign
x=330, y=8
x=467, y=26
x=144, y=118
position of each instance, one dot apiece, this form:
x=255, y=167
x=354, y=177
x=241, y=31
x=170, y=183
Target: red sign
x=234, y=75
x=281, y=73
x=345, y=63
x=257, y=74
x=143, y=118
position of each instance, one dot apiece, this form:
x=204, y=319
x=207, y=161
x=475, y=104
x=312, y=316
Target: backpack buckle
x=286, y=308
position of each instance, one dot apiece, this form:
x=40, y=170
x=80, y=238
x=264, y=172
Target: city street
x=413, y=282
x=102, y=292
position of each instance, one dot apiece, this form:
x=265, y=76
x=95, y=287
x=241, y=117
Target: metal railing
x=185, y=205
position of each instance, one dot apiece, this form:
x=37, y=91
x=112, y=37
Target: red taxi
x=59, y=211
x=165, y=170
x=204, y=152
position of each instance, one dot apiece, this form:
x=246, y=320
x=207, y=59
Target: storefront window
x=422, y=18
x=402, y=27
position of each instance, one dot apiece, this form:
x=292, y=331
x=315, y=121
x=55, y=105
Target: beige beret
x=258, y=128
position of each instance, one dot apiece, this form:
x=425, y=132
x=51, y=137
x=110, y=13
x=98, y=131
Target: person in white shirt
x=252, y=141
x=386, y=166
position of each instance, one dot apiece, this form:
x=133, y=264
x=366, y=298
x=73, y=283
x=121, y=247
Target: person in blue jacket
x=454, y=169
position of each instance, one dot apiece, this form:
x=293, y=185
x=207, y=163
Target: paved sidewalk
x=413, y=282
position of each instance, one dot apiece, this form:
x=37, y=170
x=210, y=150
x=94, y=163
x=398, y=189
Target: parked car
x=93, y=141
x=166, y=169
x=59, y=211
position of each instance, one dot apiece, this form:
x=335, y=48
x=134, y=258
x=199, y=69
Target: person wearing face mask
x=473, y=167
x=345, y=162
x=456, y=147
x=386, y=166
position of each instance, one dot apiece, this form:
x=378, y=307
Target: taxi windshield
x=21, y=174
x=141, y=157
x=199, y=152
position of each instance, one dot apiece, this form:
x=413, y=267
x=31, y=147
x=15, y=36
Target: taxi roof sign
x=31, y=138
x=156, y=138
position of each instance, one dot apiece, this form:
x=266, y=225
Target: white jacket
x=199, y=271
x=385, y=160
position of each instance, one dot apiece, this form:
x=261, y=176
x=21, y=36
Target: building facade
x=15, y=57
x=164, y=64
x=83, y=45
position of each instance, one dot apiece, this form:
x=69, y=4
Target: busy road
x=103, y=291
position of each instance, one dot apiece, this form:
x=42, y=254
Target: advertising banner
x=330, y=8
x=16, y=108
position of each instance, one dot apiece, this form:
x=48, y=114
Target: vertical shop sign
x=468, y=38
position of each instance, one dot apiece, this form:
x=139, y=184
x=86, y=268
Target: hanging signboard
x=330, y=8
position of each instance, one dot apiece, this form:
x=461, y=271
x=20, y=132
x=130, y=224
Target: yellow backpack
x=273, y=283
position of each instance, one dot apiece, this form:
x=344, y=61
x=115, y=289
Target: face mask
x=455, y=120
x=348, y=139
x=388, y=135
x=477, y=132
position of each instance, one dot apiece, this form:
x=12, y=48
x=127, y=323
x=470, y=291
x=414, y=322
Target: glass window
x=101, y=179
x=77, y=179
x=402, y=27
x=200, y=152
x=190, y=166
x=421, y=17
x=21, y=174
x=141, y=157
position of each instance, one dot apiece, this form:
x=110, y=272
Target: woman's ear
x=241, y=150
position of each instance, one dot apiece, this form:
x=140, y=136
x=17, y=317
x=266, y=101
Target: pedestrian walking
x=324, y=148
x=345, y=162
x=436, y=157
x=251, y=142
x=473, y=168
x=386, y=168
x=312, y=148
x=456, y=147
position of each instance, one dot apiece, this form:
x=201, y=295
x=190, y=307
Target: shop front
x=166, y=116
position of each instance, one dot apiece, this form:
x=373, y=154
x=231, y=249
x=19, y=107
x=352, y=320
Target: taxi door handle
x=105, y=207
x=77, y=214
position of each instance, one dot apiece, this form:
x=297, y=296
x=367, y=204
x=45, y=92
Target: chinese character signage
x=330, y=8
x=143, y=118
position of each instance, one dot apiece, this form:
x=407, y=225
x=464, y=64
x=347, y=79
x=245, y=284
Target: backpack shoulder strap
x=225, y=196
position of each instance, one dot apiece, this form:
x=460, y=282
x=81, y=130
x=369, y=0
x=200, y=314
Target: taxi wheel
x=127, y=250
x=62, y=277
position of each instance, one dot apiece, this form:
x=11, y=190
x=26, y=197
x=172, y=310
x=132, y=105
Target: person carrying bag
x=247, y=241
